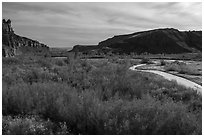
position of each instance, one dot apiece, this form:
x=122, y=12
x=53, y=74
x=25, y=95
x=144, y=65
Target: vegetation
x=31, y=125
x=182, y=68
x=73, y=96
x=163, y=63
x=145, y=61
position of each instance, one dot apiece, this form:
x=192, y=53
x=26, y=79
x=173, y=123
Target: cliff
x=13, y=44
x=156, y=41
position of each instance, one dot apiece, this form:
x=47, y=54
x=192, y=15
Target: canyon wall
x=13, y=44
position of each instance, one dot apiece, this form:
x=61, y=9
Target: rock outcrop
x=156, y=41
x=13, y=44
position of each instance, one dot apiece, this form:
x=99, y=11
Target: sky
x=67, y=24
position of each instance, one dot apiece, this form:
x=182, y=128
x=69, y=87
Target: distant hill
x=156, y=41
x=84, y=47
x=13, y=44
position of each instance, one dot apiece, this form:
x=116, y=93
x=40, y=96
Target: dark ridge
x=162, y=40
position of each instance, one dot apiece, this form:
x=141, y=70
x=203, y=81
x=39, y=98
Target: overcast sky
x=69, y=24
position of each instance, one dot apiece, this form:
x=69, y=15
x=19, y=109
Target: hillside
x=156, y=41
x=13, y=44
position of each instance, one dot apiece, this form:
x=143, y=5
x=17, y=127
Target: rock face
x=13, y=44
x=156, y=41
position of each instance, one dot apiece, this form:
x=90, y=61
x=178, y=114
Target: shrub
x=108, y=99
x=67, y=60
x=59, y=62
x=85, y=113
x=24, y=98
x=145, y=61
x=32, y=76
x=182, y=68
x=31, y=125
x=12, y=75
x=85, y=65
x=10, y=61
x=70, y=58
x=148, y=116
x=45, y=63
x=163, y=62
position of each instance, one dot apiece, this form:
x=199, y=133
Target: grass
x=76, y=96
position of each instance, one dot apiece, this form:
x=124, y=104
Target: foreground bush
x=10, y=61
x=31, y=125
x=85, y=112
x=104, y=98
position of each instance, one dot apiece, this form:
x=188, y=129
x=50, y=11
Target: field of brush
x=42, y=95
x=191, y=70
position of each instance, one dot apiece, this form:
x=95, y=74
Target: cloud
x=68, y=24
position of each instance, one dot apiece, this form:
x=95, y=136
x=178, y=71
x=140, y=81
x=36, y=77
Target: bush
x=45, y=63
x=163, y=63
x=31, y=125
x=145, y=61
x=105, y=99
x=12, y=75
x=70, y=59
x=24, y=98
x=85, y=113
x=67, y=60
x=59, y=62
x=10, y=61
x=148, y=116
x=182, y=68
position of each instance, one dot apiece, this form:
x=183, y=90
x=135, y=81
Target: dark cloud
x=68, y=24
